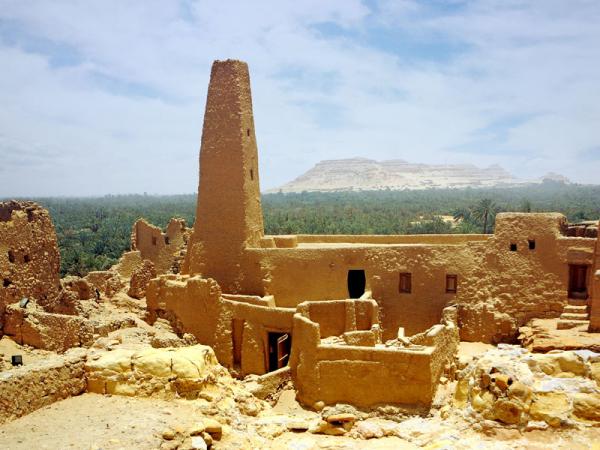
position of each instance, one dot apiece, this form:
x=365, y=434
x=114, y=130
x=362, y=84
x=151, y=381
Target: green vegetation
x=94, y=232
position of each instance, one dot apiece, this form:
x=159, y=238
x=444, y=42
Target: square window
x=513, y=247
x=405, y=286
x=451, y=284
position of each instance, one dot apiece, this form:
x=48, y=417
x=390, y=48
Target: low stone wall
x=57, y=332
x=28, y=388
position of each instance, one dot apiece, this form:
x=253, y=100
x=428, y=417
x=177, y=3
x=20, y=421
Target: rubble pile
x=515, y=387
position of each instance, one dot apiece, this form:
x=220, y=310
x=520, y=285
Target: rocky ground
x=468, y=412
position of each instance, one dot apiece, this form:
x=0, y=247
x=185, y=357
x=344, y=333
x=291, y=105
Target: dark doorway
x=357, y=281
x=237, y=331
x=280, y=345
x=578, y=281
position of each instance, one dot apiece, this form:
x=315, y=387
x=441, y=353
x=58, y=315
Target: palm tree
x=484, y=210
x=461, y=214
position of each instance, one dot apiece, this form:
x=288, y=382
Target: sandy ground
x=96, y=422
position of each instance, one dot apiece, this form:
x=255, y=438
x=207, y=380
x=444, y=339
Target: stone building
x=353, y=316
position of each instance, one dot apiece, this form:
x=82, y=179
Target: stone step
x=575, y=309
x=577, y=302
x=567, y=324
x=574, y=316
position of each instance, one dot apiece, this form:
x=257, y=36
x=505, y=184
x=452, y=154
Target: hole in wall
x=248, y=132
x=26, y=258
x=513, y=247
x=237, y=332
x=357, y=282
x=251, y=174
x=578, y=281
x=531, y=244
x=167, y=240
x=11, y=256
x=154, y=240
x=6, y=282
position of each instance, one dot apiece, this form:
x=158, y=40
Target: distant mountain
x=361, y=174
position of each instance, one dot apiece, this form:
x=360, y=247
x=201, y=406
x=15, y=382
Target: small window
x=248, y=132
x=513, y=247
x=11, y=256
x=405, y=283
x=531, y=244
x=451, y=284
x=154, y=241
x=167, y=240
x=6, y=282
x=251, y=174
x=26, y=258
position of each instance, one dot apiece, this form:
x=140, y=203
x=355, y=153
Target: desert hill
x=362, y=174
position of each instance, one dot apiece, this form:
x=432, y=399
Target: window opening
x=451, y=284
x=405, y=286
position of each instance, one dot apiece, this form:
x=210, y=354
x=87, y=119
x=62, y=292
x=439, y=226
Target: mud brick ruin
x=363, y=320
x=266, y=301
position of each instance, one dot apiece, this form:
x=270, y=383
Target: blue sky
x=107, y=96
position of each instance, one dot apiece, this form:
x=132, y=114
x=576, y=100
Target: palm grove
x=94, y=232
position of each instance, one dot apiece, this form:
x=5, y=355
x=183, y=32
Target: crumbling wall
x=140, y=278
x=367, y=376
x=41, y=383
x=57, y=332
x=106, y=282
x=257, y=321
x=194, y=305
x=522, y=273
x=163, y=249
x=29, y=257
x=595, y=292
x=128, y=263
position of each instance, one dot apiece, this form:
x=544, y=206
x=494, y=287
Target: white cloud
x=127, y=116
